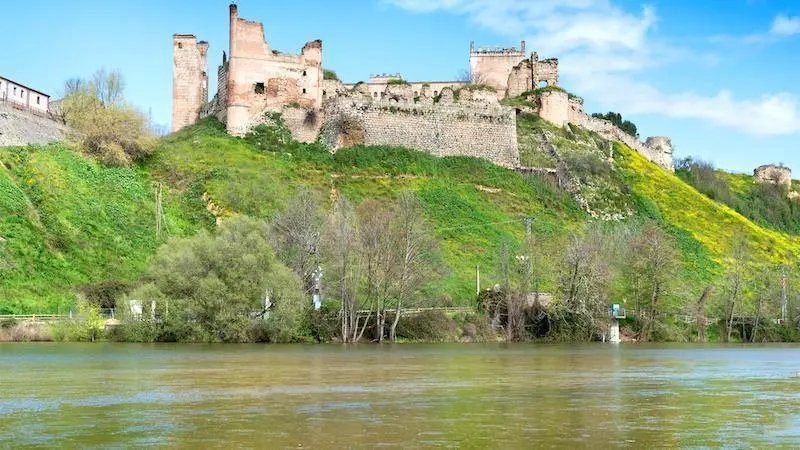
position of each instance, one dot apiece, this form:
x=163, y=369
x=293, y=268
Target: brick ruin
x=771, y=173
x=189, y=79
x=560, y=108
x=254, y=79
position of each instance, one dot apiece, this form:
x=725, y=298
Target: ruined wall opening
x=259, y=88
x=542, y=84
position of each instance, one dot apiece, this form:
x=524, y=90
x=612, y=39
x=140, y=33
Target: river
x=402, y=396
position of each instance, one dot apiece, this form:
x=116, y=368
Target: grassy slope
x=472, y=204
x=68, y=221
x=710, y=224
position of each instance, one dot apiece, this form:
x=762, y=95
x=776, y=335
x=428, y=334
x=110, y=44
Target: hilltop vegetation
x=70, y=224
x=766, y=204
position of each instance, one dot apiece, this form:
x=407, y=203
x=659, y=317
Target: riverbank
x=428, y=327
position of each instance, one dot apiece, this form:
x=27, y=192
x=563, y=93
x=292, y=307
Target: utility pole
x=478, y=279
x=316, y=276
x=784, y=303
x=528, y=226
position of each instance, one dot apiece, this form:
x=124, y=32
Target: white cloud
x=785, y=26
x=604, y=51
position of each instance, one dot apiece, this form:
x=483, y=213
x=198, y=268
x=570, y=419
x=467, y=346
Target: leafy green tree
x=216, y=288
x=105, y=127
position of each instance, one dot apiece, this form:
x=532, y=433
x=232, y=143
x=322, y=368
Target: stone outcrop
x=771, y=173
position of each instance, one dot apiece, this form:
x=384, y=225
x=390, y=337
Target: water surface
x=406, y=396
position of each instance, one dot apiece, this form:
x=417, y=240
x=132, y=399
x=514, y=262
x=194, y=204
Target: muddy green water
x=407, y=396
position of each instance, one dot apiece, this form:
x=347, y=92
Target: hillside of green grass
x=765, y=204
x=66, y=221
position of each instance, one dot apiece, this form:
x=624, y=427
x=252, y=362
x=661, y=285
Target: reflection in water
x=410, y=395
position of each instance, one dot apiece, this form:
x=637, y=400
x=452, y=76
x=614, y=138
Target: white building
x=23, y=97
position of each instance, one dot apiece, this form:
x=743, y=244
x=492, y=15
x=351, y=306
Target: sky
x=720, y=77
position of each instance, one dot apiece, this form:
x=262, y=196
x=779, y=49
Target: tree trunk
x=393, y=329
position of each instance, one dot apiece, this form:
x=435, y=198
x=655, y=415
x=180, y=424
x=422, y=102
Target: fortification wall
x=554, y=107
x=493, y=66
x=545, y=70
x=657, y=149
x=520, y=79
x=189, y=79
x=23, y=128
x=305, y=124
x=575, y=113
x=472, y=128
x=261, y=79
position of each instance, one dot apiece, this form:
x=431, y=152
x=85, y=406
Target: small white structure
x=615, y=313
x=135, y=307
x=20, y=96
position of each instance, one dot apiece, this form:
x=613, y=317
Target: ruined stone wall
x=261, y=79
x=770, y=173
x=493, y=66
x=554, y=107
x=575, y=113
x=305, y=124
x=657, y=149
x=189, y=79
x=545, y=70
x=471, y=128
x=520, y=79
x=23, y=128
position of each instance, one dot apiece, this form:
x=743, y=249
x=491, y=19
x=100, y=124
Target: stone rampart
x=23, y=128
x=471, y=127
x=657, y=149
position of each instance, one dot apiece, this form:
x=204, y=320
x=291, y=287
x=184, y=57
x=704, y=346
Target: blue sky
x=721, y=77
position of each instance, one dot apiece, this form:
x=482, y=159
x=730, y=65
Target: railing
x=21, y=106
x=412, y=311
x=34, y=317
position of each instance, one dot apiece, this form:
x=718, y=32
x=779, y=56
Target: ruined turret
x=771, y=173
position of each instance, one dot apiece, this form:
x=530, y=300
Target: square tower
x=189, y=79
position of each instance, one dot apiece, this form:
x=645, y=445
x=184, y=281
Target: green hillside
x=66, y=221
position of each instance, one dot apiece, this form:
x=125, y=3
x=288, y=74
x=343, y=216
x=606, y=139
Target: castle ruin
x=252, y=79
x=442, y=117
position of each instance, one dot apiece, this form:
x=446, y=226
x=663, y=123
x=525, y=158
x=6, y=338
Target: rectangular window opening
x=259, y=88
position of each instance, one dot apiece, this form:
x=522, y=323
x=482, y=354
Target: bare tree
x=657, y=262
x=108, y=86
x=415, y=241
x=700, y=313
x=468, y=76
x=585, y=279
x=376, y=248
x=296, y=236
x=342, y=248
x=739, y=257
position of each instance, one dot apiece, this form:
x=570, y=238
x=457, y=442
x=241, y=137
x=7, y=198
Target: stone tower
x=189, y=79
x=492, y=66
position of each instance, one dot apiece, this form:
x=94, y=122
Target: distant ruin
x=461, y=117
x=771, y=173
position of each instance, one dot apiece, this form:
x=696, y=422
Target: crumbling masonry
x=442, y=117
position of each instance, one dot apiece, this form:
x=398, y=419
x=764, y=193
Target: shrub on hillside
x=429, y=326
x=213, y=288
x=329, y=75
x=106, y=127
x=104, y=294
